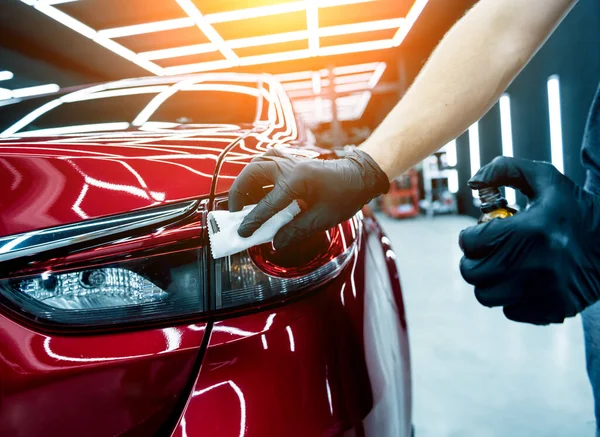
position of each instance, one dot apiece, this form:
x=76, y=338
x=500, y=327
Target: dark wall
x=572, y=52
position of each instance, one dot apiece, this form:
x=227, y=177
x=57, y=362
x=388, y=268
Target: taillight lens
x=93, y=275
x=262, y=273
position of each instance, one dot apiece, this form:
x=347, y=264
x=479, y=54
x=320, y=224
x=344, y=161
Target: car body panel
x=334, y=363
x=92, y=385
x=331, y=361
x=58, y=182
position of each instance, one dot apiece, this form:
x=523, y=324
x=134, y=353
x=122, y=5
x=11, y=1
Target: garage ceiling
x=186, y=36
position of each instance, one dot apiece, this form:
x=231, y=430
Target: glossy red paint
x=58, y=181
x=92, y=385
x=323, y=366
x=332, y=361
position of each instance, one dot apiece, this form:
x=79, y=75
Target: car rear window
x=207, y=107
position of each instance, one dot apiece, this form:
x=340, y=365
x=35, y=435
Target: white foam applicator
x=223, y=229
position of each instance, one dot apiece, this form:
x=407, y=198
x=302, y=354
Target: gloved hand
x=332, y=191
x=543, y=264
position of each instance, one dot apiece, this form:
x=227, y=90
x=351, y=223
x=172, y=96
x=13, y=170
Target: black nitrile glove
x=332, y=191
x=543, y=264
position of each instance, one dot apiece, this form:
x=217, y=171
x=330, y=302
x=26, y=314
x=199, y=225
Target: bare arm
x=471, y=67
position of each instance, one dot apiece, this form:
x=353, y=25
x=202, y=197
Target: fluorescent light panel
x=195, y=49
x=451, y=156
x=369, y=26
x=157, y=26
x=190, y=8
x=474, y=148
x=507, y=140
x=556, y=136
x=6, y=75
x=410, y=20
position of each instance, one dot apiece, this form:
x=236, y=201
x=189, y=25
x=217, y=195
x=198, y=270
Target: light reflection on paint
x=291, y=337
x=238, y=393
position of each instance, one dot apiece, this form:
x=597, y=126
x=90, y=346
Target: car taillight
x=153, y=266
x=262, y=273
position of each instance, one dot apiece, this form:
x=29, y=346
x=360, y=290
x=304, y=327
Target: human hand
x=330, y=190
x=543, y=264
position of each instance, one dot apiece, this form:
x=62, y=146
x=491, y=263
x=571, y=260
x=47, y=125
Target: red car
x=116, y=321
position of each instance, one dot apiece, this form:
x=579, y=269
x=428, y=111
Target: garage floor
x=474, y=372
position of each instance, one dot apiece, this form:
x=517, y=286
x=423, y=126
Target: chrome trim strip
x=89, y=232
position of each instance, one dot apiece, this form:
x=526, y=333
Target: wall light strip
x=35, y=90
x=6, y=75
x=507, y=140
x=156, y=26
x=451, y=156
x=195, y=49
x=411, y=18
x=556, y=136
x=474, y=148
x=203, y=24
x=368, y=26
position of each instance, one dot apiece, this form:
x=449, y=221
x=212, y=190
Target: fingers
x=247, y=189
x=478, y=241
x=304, y=225
x=521, y=174
x=279, y=197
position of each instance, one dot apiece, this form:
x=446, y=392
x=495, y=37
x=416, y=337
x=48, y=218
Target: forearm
x=465, y=75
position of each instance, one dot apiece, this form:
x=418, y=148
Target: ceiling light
x=156, y=26
x=128, y=54
x=66, y=20
x=190, y=8
x=353, y=78
x=198, y=67
x=410, y=20
x=316, y=83
x=356, y=47
x=358, y=68
x=300, y=75
x=369, y=26
x=195, y=49
x=377, y=74
x=6, y=75
x=260, y=11
x=275, y=57
x=267, y=39
x=35, y=90
x=312, y=24
x=303, y=85
x=349, y=87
